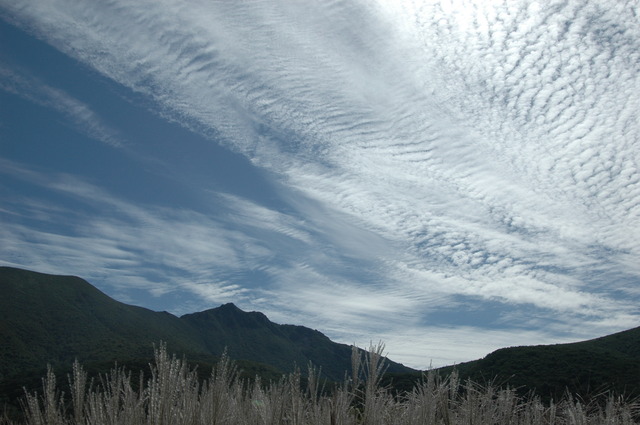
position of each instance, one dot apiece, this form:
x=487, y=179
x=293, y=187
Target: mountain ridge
x=607, y=364
x=54, y=319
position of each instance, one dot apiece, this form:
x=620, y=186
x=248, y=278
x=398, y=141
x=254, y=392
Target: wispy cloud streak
x=21, y=83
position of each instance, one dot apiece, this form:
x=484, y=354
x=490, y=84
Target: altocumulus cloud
x=451, y=168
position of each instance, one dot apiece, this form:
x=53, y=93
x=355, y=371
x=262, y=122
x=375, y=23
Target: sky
x=447, y=177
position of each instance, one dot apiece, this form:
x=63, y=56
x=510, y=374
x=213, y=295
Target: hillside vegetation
x=606, y=364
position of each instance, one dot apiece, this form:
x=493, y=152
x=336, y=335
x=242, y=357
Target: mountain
x=56, y=319
x=609, y=363
x=252, y=336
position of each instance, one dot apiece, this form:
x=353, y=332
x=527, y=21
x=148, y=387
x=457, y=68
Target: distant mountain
x=56, y=319
x=252, y=336
x=609, y=363
x=586, y=369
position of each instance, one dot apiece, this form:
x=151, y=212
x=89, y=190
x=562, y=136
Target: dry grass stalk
x=173, y=395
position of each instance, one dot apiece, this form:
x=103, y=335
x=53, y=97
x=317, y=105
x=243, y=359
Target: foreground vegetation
x=173, y=394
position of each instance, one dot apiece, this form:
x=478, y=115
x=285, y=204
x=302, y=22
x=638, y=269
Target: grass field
x=173, y=395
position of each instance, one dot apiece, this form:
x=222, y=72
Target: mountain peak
x=229, y=307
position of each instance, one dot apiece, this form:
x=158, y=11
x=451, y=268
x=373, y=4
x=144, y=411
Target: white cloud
x=455, y=148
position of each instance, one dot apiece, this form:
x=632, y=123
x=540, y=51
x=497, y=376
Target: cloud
x=109, y=233
x=21, y=83
x=170, y=249
x=428, y=150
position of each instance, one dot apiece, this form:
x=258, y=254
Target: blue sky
x=448, y=177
